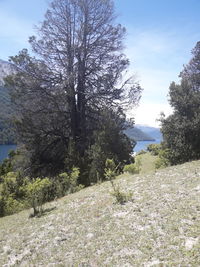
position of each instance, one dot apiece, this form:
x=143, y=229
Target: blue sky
x=160, y=37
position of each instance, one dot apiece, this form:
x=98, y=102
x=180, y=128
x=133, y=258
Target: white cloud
x=157, y=60
x=148, y=113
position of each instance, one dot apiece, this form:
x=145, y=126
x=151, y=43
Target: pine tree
x=181, y=130
x=60, y=94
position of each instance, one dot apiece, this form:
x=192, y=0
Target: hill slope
x=152, y=131
x=138, y=134
x=160, y=227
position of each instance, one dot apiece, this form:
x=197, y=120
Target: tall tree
x=181, y=130
x=78, y=72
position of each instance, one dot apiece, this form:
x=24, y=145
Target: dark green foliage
x=109, y=142
x=7, y=165
x=163, y=159
x=7, y=131
x=2, y=206
x=181, y=130
x=67, y=100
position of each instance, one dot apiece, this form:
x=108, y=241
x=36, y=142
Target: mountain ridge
x=137, y=134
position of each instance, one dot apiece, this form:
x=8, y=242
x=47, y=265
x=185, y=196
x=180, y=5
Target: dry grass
x=159, y=227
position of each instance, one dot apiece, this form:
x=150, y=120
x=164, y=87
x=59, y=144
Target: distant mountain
x=138, y=134
x=152, y=131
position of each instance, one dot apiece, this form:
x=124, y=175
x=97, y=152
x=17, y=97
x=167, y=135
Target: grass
x=159, y=227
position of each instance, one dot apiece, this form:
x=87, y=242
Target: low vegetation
x=110, y=174
x=133, y=168
x=18, y=193
x=159, y=227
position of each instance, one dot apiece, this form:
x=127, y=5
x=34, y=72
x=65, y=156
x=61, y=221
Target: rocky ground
x=160, y=226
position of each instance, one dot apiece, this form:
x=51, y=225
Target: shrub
x=11, y=205
x=13, y=194
x=141, y=152
x=2, y=206
x=37, y=192
x=154, y=149
x=110, y=170
x=67, y=183
x=162, y=161
x=121, y=197
x=133, y=168
x=18, y=192
x=9, y=184
x=110, y=174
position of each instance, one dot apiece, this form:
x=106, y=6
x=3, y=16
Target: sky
x=159, y=39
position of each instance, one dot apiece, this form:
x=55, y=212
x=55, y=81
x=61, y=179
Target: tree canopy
x=181, y=130
x=74, y=82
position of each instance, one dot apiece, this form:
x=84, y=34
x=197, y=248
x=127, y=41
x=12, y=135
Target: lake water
x=142, y=145
x=4, y=150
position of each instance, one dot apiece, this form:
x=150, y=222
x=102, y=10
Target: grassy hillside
x=159, y=227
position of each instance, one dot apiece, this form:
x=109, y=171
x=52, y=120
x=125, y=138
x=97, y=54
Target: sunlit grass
x=159, y=227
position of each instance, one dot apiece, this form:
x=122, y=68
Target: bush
x=12, y=205
x=2, y=206
x=162, y=161
x=67, y=183
x=37, y=192
x=18, y=192
x=121, y=197
x=154, y=149
x=13, y=194
x=110, y=170
x=110, y=174
x=141, y=152
x=9, y=184
x=133, y=168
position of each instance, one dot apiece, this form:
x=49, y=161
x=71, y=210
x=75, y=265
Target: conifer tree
x=77, y=72
x=181, y=130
